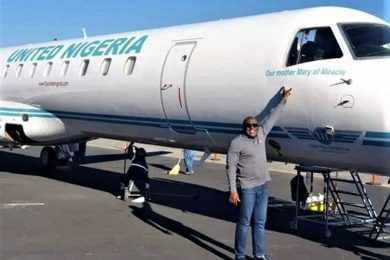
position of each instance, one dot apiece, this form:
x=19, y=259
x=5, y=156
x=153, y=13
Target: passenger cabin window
x=129, y=65
x=314, y=44
x=105, y=66
x=84, y=67
x=33, y=69
x=65, y=68
x=19, y=70
x=5, y=71
x=48, y=69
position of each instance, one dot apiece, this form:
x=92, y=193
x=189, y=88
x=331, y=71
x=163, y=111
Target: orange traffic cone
x=215, y=157
x=374, y=180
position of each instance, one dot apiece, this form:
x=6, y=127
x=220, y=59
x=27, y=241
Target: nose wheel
x=48, y=159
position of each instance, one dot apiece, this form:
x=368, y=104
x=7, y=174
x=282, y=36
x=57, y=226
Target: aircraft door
x=173, y=87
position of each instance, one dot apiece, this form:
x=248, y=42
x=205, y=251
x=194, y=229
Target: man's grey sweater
x=246, y=160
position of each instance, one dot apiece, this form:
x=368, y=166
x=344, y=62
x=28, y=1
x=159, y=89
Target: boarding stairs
x=381, y=229
x=351, y=198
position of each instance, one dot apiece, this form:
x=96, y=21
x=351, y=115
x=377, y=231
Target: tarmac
x=73, y=213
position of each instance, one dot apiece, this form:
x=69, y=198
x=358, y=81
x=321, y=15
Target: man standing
x=246, y=164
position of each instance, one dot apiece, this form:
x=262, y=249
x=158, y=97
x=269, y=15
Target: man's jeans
x=253, y=207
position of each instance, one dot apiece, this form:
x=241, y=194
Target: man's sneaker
x=262, y=258
x=189, y=173
x=139, y=200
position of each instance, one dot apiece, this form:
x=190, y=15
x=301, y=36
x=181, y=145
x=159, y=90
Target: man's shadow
x=169, y=226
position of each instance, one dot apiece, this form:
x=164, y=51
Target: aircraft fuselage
x=191, y=86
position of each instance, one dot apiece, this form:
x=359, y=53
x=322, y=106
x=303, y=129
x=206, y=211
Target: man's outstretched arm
x=275, y=112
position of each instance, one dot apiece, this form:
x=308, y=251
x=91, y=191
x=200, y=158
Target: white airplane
x=191, y=86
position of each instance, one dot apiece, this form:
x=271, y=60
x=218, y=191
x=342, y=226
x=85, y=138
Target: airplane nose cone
x=384, y=89
x=386, y=110
x=372, y=82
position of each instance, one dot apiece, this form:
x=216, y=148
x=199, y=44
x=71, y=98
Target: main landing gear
x=48, y=159
x=69, y=155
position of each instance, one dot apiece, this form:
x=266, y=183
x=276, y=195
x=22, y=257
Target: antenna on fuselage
x=84, y=33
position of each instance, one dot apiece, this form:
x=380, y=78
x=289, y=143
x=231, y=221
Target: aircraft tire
x=48, y=159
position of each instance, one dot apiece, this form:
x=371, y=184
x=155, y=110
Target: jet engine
x=26, y=124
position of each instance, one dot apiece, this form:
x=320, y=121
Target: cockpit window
x=314, y=44
x=368, y=40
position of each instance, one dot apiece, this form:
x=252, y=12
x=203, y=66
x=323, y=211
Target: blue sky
x=23, y=21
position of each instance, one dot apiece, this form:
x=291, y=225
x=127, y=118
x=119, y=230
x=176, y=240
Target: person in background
x=188, y=161
x=137, y=175
x=248, y=178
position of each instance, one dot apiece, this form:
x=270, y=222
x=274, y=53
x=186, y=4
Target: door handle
x=166, y=86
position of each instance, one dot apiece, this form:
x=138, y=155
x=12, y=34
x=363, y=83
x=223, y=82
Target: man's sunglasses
x=251, y=125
